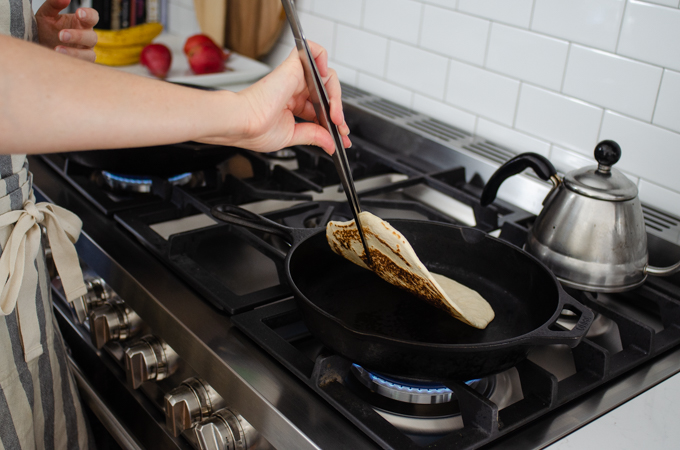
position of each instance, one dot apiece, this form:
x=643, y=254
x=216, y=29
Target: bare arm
x=50, y=102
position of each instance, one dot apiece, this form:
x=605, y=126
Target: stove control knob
x=149, y=359
x=189, y=403
x=97, y=293
x=226, y=430
x=113, y=321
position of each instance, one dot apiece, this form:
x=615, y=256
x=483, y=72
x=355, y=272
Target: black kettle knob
x=607, y=153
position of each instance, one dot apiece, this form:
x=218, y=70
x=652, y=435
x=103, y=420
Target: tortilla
x=395, y=261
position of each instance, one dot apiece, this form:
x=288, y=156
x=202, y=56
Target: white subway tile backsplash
x=667, y=112
x=445, y=113
x=416, y=69
x=649, y=152
x=182, y=20
x=304, y=5
x=449, y=4
x=589, y=22
x=384, y=89
x=608, y=80
x=319, y=30
x=529, y=56
x=397, y=19
x=345, y=74
x=618, y=49
x=482, y=92
x=454, y=34
x=672, y=3
x=659, y=197
x=651, y=33
x=361, y=50
x=565, y=160
x=346, y=11
x=562, y=120
x=513, y=12
x=510, y=138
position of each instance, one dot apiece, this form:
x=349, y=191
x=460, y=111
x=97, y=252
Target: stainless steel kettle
x=591, y=232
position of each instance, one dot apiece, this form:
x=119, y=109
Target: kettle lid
x=602, y=182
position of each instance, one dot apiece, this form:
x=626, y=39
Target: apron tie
x=18, y=274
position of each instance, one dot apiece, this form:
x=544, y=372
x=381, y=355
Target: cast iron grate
x=328, y=374
x=197, y=255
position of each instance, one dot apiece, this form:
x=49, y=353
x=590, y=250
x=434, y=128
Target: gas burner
x=139, y=184
x=415, y=392
x=427, y=411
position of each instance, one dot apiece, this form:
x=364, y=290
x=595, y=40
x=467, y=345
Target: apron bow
x=18, y=274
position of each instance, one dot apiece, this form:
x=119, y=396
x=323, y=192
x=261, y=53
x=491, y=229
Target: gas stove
x=193, y=333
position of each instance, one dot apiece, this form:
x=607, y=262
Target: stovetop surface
x=250, y=334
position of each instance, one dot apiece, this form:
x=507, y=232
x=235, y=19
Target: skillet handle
x=235, y=215
x=546, y=336
x=539, y=163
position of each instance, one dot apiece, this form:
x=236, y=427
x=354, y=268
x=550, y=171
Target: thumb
x=308, y=133
x=52, y=8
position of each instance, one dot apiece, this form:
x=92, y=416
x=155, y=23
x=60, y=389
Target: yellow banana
x=138, y=35
x=118, y=56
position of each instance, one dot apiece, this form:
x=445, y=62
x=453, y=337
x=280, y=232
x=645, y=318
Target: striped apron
x=39, y=403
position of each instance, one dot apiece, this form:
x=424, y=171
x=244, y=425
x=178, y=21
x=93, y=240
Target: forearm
x=50, y=102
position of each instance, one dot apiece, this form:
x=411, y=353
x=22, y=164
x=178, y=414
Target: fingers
x=84, y=38
x=320, y=56
x=52, y=8
x=335, y=98
x=308, y=133
x=85, y=54
x=88, y=17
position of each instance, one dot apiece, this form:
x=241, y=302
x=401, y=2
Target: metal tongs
x=319, y=98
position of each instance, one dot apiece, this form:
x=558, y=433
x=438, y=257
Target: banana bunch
x=123, y=47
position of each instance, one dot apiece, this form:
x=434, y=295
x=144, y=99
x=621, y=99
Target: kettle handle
x=539, y=163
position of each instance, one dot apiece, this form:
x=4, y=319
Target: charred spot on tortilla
x=395, y=261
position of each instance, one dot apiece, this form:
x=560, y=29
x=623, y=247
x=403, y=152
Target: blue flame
x=131, y=179
x=419, y=388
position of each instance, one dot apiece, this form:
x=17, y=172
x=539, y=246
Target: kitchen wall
x=547, y=76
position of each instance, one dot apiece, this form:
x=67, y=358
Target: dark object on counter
x=164, y=160
x=387, y=330
x=591, y=232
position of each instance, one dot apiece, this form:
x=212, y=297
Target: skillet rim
x=524, y=339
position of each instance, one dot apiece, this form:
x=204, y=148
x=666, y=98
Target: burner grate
x=328, y=374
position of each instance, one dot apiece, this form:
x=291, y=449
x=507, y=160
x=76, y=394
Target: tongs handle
x=319, y=98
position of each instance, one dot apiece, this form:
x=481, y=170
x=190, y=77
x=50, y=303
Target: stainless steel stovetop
x=408, y=165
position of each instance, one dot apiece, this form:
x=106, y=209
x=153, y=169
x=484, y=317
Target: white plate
x=240, y=69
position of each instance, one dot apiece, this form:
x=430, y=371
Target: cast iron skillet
x=389, y=331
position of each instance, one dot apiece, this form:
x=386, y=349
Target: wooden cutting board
x=212, y=18
x=248, y=27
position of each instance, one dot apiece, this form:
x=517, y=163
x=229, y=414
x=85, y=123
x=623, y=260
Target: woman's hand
x=271, y=105
x=71, y=34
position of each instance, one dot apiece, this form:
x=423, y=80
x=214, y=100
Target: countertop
x=649, y=420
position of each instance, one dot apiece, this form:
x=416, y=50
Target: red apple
x=202, y=39
x=157, y=58
x=197, y=39
x=206, y=58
